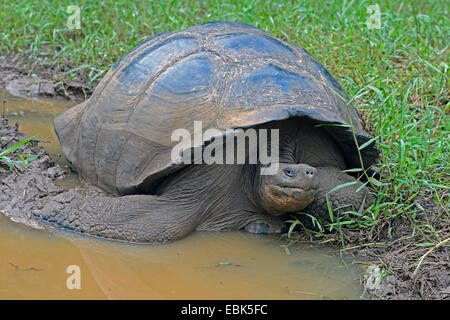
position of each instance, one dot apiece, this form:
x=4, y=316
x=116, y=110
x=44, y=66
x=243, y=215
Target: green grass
x=5, y=154
x=397, y=76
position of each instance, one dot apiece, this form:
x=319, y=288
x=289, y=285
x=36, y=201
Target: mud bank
x=25, y=78
x=415, y=271
x=26, y=188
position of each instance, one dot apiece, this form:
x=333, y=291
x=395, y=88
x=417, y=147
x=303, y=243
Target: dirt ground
x=23, y=188
x=26, y=188
x=413, y=272
x=24, y=78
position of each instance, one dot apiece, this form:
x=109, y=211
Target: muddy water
x=232, y=265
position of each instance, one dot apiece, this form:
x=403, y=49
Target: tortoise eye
x=288, y=172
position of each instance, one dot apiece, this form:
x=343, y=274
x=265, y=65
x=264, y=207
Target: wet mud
x=25, y=188
x=31, y=79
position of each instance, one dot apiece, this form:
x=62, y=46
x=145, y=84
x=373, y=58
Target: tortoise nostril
x=310, y=172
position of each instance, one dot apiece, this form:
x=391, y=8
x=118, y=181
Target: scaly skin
x=121, y=218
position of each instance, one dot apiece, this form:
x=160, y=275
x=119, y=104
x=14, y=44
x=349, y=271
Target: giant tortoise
x=229, y=76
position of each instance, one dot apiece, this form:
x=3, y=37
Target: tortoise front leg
x=136, y=218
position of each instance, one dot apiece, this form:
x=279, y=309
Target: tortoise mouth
x=289, y=190
x=283, y=199
x=306, y=188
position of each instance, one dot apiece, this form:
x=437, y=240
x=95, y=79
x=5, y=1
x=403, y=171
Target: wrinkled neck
x=251, y=184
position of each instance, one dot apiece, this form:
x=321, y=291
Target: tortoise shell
x=226, y=74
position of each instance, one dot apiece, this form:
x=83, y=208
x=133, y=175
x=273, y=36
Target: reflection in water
x=233, y=265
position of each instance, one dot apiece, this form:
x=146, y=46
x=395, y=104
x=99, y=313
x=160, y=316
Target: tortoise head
x=291, y=188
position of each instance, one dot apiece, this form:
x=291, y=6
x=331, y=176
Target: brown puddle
x=205, y=265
